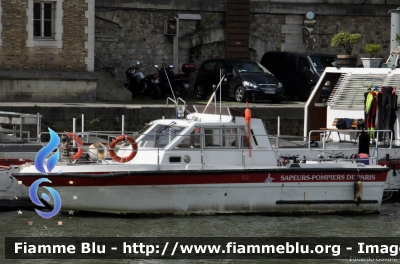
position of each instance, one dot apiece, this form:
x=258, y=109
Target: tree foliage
x=345, y=40
x=372, y=49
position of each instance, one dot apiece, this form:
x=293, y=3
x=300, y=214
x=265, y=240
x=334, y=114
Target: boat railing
x=377, y=137
x=87, y=138
x=180, y=113
x=333, y=149
x=240, y=147
x=235, y=144
x=90, y=136
x=106, y=136
x=289, y=139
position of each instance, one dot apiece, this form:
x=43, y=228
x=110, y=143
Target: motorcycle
x=178, y=83
x=138, y=84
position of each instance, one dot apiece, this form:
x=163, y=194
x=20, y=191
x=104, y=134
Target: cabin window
x=159, y=136
x=212, y=137
x=230, y=137
x=165, y=134
x=220, y=137
x=145, y=129
x=190, y=141
x=243, y=138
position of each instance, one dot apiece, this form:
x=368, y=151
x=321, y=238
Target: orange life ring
x=117, y=158
x=79, y=153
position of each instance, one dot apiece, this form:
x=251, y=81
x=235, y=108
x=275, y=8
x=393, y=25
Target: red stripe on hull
x=203, y=177
x=8, y=162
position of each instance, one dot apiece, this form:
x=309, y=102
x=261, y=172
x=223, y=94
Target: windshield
x=321, y=62
x=144, y=130
x=250, y=67
x=159, y=136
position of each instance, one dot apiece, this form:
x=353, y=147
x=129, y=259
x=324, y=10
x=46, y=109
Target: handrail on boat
x=390, y=138
x=107, y=136
x=176, y=103
x=345, y=131
x=241, y=151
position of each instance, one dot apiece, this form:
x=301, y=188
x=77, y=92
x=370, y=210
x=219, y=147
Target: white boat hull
x=203, y=172
x=274, y=198
x=12, y=194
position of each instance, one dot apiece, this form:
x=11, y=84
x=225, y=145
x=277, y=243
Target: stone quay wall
x=109, y=118
x=128, y=31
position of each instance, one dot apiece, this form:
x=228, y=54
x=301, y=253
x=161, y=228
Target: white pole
x=395, y=29
x=73, y=128
x=39, y=122
x=123, y=123
x=220, y=95
x=215, y=104
x=278, y=132
x=212, y=96
x=83, y=123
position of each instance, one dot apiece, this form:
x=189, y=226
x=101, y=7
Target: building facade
x=127, y=31
x=47, y=50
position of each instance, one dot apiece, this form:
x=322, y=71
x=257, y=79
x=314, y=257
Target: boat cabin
x=204, y=141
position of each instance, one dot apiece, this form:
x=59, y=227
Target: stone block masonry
x=16, y=53
x=42, y=86
x=59, y=67
x=127, y=31
x=108, y=117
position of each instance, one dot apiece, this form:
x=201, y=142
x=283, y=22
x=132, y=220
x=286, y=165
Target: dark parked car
x=243, y=79
x=299, y=72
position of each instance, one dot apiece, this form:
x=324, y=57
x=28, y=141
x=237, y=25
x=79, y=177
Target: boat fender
x=121, y=138
x=79, y=153
x=358, y=191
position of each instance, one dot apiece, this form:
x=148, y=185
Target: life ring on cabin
x=121, y=138
x=79, y=153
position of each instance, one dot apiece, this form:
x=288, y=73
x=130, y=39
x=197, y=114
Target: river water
x=14, y=224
